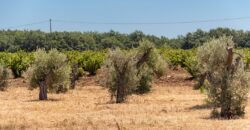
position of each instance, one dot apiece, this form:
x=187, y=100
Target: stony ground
x=172, y=104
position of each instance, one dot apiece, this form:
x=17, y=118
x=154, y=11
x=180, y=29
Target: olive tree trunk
x=121, y=85
x=226, y=110
x=43, y=91
x=120, y=95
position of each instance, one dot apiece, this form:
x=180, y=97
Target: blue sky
x=18, y=12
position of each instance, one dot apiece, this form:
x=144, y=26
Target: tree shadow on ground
x=211, y=117
x=199, y=107
x=49, y=100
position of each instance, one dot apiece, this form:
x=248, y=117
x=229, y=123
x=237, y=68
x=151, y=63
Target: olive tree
x=120, y=74
x=50, y=72
x=149, y=62
x=227, y=82
x=127, y=72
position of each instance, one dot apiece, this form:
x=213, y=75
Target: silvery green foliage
x=149, y=62
x=4, y=75
x=145, y=74
x=160, y=67
x=213, y=54
x=126, y=72
x=52, y=68
x=120, y=73
x=227, y=86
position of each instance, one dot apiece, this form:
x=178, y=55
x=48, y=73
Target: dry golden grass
x=172, y=104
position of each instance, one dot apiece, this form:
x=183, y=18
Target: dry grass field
x=172, y=104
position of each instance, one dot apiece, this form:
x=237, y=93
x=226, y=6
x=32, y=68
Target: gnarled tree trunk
x=43, y=91
x=120, y=94
x=120, y=97
x=227, y=108
x=74, y=76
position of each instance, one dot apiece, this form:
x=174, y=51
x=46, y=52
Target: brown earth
x=172, y=104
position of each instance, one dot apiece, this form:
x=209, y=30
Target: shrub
x=246, y=58
x=50, y=72
x=145, y=75
x=192, y=67
x=20, y=63
x=228, y=83
x=80, y=72
x=73, y=58
x=17, y=62
x=4, y=75
x=90, y=61
x=186, y=59
x=176, y=57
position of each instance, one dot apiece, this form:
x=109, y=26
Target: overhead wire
x=28, y=24
x=153, y=23
x=129, y=23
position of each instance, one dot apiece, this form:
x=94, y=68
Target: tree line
x=16, y=40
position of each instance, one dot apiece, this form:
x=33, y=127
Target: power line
x=28, y=24
x=153, y=23
x=127, y=23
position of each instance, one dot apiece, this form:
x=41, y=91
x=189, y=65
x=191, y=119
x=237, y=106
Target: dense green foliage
x=17, y=62
x=88, y=61
x=176, y=57
x=13, y=41
x=181, y=58
x=227, y=81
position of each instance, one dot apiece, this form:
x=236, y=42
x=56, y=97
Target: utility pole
x=50, y=26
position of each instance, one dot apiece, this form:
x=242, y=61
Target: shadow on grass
x=106, y=103
x=49, y=100
x=199, y=107
x=218, y=117
x=189, y=78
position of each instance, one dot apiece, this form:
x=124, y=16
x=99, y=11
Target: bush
x=160, y=67
x=186, y=59
x=176, y=57
x=145, y=75
x=246, y=58
x=73, y=58
x=50, y=72
x=4, y=75
x=228, y=83
x=192, y=67
x=90, y=61
x=18, y=62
